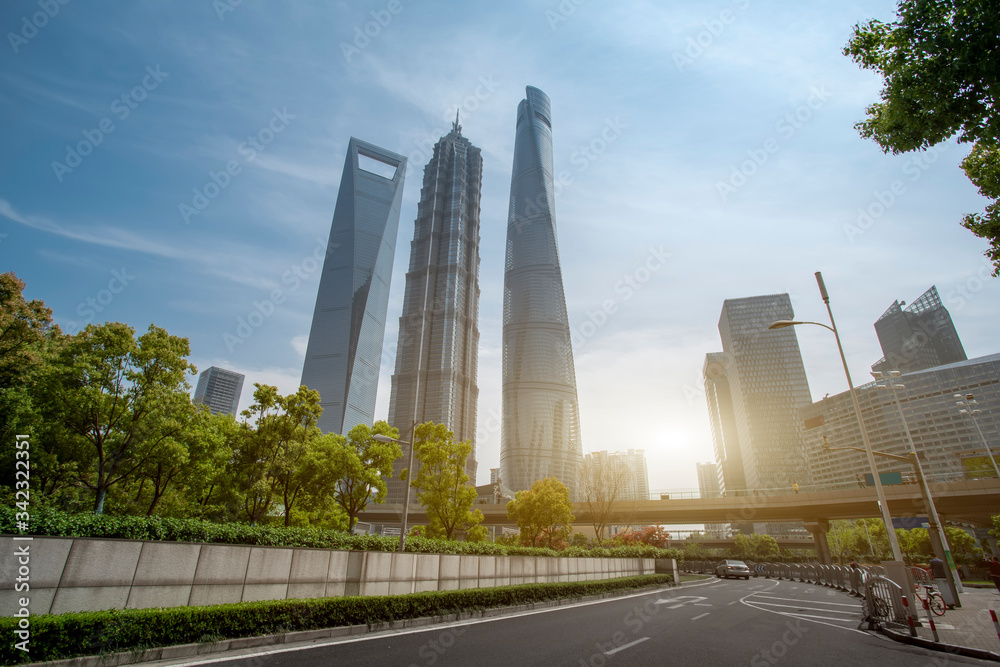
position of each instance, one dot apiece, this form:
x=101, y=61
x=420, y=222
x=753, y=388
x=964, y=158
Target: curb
x=966, y=651
x=195, y=650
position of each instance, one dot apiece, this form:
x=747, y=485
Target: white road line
x=855, y=612
x=811, y=619
x=625, y=646
x=733, y=602
x=839, y=604
x=695, y=618
x=702, y=604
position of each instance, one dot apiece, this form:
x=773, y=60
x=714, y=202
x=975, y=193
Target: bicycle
x=931, y=599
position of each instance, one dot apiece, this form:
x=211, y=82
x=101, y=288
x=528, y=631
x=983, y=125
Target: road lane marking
x=625, y=646
x=702, y=604
x=800, y=607
x=695, y=618
x=839, y=604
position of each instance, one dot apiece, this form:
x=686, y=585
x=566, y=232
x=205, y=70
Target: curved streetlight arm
x=781, y=324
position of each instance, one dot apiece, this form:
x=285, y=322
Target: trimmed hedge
x=60, y=636
x=52, y=522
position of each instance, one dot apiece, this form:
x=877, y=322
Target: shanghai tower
x=437, y=355
x=540, y=434
x=344, y=353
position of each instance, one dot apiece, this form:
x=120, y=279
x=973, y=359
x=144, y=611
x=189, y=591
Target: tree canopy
x=941, y=79
x=441, y=482
x=360, y=464
x=542, y=512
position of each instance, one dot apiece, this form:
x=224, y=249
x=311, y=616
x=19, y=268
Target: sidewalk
x=969, y=626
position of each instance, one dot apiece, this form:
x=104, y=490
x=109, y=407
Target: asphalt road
x=758, y=622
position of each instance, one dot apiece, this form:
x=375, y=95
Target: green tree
x=963, y=546
x=914, y=543
x=113, y=395
x=28, y=341
x=442, y=486
x=361, y=465
x=278, y=437
x=938, y=63
x=755, y=547
x=24, y=327
x=542, y=512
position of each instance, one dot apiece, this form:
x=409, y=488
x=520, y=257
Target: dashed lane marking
x=625, y=646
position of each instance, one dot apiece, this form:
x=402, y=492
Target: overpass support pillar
x=819, y=529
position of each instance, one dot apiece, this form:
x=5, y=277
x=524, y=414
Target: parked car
x=732, y=568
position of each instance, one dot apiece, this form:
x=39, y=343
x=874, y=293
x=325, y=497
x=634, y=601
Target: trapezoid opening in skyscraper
x=540, y=432
x=344, y=353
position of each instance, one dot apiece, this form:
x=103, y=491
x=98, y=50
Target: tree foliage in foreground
x=938, y=61
x=542, y=513
x=441, y=482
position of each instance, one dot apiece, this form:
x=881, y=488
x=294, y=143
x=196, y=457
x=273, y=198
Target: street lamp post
x=941, y=547
x=967, y=404
x=409, y=472
x=897, y=554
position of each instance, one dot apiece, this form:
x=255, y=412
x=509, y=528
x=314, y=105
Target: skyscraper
x=768, y=385
x=540, y=432
x=220, y=390
x=438, y=350
x=618, y=475
x=723, y=423
x=708, y=480
x=348, y=327
x=921, y=336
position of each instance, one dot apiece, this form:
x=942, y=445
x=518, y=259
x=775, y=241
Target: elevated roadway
x=967, y=501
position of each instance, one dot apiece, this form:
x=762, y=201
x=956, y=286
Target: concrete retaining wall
x=89, y=574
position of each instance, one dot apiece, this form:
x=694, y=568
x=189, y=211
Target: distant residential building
x=947, y=441
x=626, y=470
x=344, y=353
x=220, y=390
x=767, y=386
x=722, y=420
x=437, y=355
x=920, y=336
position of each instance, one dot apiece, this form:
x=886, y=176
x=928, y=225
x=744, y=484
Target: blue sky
x=706, y=152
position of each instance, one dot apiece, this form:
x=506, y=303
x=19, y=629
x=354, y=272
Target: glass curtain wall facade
x=768, y=386
x=723, y=423
x=344, y=353
x=540, y=433
x=220, y=390
x=438, y=350
x=920, y=336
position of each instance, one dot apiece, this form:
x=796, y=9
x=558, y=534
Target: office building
x=438, y=350
x=708, y=480
x=767, y=385
x=540, y=432
x=949, y=443
x=722, y=420
x=220, y=390
x=920, y=336
x=344, y=352
x=621, y=475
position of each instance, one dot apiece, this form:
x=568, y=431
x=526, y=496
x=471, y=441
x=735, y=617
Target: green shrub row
x=60, y=636
x=52, y=522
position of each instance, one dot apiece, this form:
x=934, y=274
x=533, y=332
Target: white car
x=732, y=568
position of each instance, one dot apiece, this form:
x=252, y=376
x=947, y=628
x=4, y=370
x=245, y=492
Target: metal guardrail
x=853, y=580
